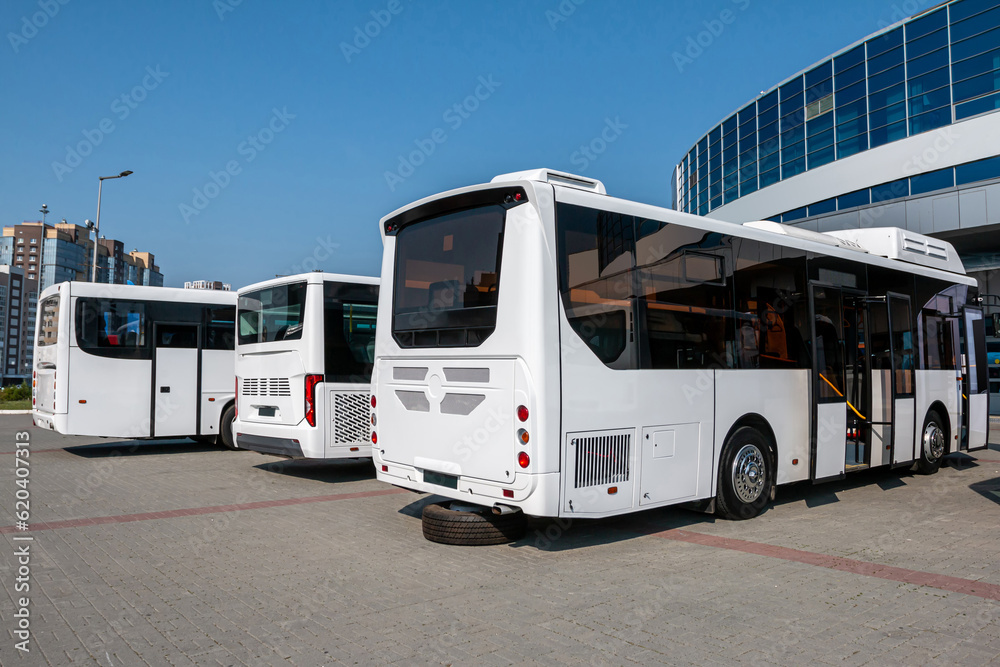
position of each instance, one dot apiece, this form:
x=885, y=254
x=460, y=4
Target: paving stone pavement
x=342, y=575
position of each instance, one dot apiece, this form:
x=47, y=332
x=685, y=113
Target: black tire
x=933, y=443
x=447, y=526
x=226, y=437
x=746, y=475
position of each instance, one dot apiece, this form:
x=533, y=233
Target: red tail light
x=236, y=400
x=311, y=382
x=523, y=460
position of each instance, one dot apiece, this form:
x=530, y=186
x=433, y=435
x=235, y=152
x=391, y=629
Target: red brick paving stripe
x=941, y=581
x=196, y=511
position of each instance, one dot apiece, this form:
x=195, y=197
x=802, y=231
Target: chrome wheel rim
x=748, y=473
x=933, y=442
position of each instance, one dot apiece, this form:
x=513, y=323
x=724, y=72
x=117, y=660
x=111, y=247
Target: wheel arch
x=942, y=411
x=759, y=423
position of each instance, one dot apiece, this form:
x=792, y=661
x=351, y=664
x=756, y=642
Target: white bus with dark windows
x=304, y=353
x=565, y=353
x=129, y=361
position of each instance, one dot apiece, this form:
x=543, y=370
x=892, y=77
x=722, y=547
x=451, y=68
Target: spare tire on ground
x=452, y=522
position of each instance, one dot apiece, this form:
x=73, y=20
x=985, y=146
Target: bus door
x=176, y=379
x=857, y=381
x=829, y=431
x=975, y=381
x=880, y=359
x=903, y=364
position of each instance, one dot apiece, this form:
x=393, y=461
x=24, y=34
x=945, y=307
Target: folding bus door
x=903, y=372
x=829, y=435
x=176, y=380
x=975, y=381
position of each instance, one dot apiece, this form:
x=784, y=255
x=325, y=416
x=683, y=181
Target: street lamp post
x=44, y=210
x=97, y=225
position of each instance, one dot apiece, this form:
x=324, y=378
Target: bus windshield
x=272, y=314
x=447, y=278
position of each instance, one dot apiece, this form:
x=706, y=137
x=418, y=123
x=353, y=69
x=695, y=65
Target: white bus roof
x=78, y=288
x=310, y=277
x=869, y=246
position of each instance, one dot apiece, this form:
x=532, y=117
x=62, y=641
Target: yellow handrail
x=842, y=396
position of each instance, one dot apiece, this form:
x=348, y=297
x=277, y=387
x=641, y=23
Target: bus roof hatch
x=555, y=178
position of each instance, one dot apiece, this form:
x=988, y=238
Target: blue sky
x=261, y=133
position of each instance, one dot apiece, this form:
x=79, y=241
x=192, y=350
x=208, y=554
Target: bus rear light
x=355, y=449
x=373, y=400
x=522, y=435
x=236, y=400
x=522, y=413
x=612, y=490
x=373, y=419
x=508, y=493
x=83, y=401
x=385, y=468
x=523, y=460
x=374, y=438
x=311, y=382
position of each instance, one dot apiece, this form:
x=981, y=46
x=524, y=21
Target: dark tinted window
x=596, y=258
x=447, y=278
x=176, y=336
x=903, y=345
x=932, y=180
x=771, y=316
x=685, y=296
x=272, y=314
x=113, y=328
x=220, y=327
x=349, y=313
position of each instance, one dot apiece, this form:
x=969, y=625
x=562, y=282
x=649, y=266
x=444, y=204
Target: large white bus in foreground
x=545, y=347
x=304, y=352
x=134, y=362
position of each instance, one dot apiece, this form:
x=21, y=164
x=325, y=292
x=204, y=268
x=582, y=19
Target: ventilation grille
x=265, y=387
x=602, y=459
x=350, y=418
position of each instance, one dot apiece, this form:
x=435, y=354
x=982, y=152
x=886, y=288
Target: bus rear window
x=48, y=328
x=447, y=279
x=272, y=314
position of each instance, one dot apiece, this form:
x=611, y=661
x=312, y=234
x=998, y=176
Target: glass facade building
x=937, y=68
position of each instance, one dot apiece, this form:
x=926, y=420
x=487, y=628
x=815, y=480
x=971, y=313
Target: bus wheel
x=932, y=444
x=745, y=475
x=226, y=438
x=452, y=522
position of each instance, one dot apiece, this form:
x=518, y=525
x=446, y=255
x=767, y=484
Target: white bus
x=135, y=362
x=304, y=352
x=545, y=347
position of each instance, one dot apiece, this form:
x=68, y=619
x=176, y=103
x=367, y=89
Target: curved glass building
x=899, y=129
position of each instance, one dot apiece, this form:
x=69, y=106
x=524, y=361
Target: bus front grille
x=602, y=459
x=265, y=387
x=350, y=418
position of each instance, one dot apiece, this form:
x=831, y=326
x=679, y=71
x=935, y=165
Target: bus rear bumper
x=534, y=494
x=268, y=445
x=49, y=421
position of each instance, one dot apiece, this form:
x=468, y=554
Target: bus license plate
x=265, y=412
x=440, y=479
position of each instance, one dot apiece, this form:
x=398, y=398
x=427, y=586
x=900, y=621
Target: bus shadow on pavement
x=139, y=448
x=989, y=489
x=327, y=471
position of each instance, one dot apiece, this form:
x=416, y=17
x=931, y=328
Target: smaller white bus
x=134, y=362
x=304, y=353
